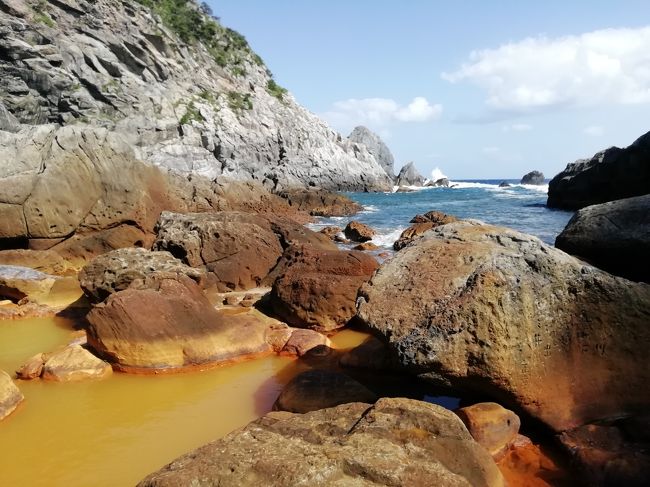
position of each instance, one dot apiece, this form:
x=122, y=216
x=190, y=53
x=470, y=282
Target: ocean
x=522, y=207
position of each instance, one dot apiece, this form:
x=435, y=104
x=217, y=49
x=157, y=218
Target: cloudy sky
x=478, y=89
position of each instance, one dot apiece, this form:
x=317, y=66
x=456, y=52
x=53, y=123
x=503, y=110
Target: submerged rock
x=74, y=363
x=499, y=312
x=320, y=389
x=18, y=282
x=10, y=395
x=371, y=354
x=394, y=442
x=613, y=236
x=318, y=288
x=533, y=177
x=612, y=174
x=420, y=225
x=301, y=342
x=133, y=268
x=359, y=232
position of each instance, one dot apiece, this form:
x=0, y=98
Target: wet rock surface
x=491, y=425
x=394, y=442
x=10, y=395
x=613, y=236
x=358, y=232
x=496, y=311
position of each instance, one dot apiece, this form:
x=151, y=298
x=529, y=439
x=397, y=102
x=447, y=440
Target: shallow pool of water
x=115, y=431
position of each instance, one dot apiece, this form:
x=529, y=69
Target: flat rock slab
x=394, y=442
x=74, y=363
x=17, y=282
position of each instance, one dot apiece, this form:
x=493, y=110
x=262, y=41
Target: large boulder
x=169, y=325
x=317, y=289
x=533, y=177
x=133, y=268
x=493, y=426
x=612, y=174
x=10, y=395
x=17, y=282
x=318, y=202
x=320, y=389
x=409, y=176
x=376, y=146
x=238, y=250
x=499, y=312
x=395, y=442
x=614, y=236
x=359, y=232
x=420, y=225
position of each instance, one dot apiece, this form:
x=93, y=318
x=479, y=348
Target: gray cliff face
x=203, y=109
x=376, y=147
x=409, y=176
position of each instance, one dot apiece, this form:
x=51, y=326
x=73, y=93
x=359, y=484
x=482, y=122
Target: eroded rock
x=10, y=395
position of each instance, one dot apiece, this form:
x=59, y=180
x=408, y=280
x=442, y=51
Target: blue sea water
x=521, y=207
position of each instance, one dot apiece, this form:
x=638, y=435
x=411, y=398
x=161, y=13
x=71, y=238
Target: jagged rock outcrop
x=409, y=176
x=612, y=174
x=501, y=313
x=116, y=64
x=533, y=177
x=614, y=236
x=393, y=442
x=376, y=146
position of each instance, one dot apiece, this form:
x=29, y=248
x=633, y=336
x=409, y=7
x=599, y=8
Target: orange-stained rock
x=31, y=369
x=492, y=425
x=421, y=224
x=331, y=231
x=320, y=389
x=302, y=341
x=173, y=325
x=395, y=442
x=359, y=232
x=498, y=312
x=10, y=395
x=318, y=288
x=365, y=246
x=527, y=465
x=74, y=363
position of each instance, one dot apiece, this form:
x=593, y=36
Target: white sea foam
x=464, y=185
x=437, y=174
x=387, y=238
x=369, y=209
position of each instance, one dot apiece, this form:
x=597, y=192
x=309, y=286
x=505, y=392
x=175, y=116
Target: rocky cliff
x=184, y=91
x=376, y=146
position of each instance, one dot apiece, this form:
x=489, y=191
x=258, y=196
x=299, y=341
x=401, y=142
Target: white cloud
x=604, y=66
x=379, y=112
x=594, y=131
x=517, y=127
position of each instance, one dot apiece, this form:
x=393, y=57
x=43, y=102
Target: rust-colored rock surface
x=359, y=232
x=421, y=224
x=318, y=288
x=499, y=312
x=319, y=202
x=396, y=442
x=302, y=341
x=493, y=426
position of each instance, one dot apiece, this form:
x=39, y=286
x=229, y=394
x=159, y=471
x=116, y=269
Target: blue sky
x=479, y=89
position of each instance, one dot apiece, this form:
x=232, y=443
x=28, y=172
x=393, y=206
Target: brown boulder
x=421, y=224
x=320, y=389
x=238, y=250
x=132, y=268
x=499, y=312
x=302, y=341
x=10, y=395
x=31, y=369
x=319, y=202
x=318, y=288
x=74, y=363
x=365, y=246
x=397, y=442
x=359, y=232
x=494, y=427
x=371, y=354
x=173, y=325
x=331, y=231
